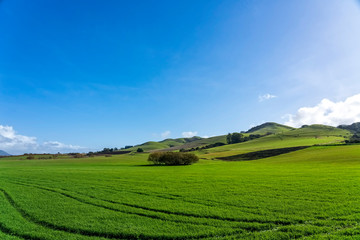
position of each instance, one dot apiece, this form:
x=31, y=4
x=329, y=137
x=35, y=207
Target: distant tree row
x=354, y=138
x=235, y=137
x=218, y=144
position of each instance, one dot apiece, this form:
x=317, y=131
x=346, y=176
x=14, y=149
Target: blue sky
x=112, y=73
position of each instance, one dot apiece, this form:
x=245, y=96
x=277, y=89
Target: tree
x=228, y=138
x=236, y=137
x=140, y=150
x=172, y=158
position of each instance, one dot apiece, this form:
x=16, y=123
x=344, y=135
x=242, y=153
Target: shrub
x=172, y=158
x=30, y=157
x=78, y=155
x=140, y=150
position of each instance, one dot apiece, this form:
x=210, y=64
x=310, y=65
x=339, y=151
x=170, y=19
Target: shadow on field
x=261, y=154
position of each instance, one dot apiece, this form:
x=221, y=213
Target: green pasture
x=309, y=194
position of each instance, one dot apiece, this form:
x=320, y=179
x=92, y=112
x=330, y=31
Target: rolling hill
x=269, y=127
x=304, y=136
x=355, y=127
x=277, y=133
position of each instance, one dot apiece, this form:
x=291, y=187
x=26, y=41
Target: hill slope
x=269, y=127
x=164, y=144
x=305, y=136
x=355, y=127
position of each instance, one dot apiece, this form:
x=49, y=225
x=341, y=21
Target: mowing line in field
x=10, y=232
x=248, y=228
x=100, y=234
x=213, y=217
x=197, y=202
x=112, y=235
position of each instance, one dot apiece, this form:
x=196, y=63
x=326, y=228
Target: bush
x=172, y=158
x=78, y=155
x=140, y=150
x=30, y=157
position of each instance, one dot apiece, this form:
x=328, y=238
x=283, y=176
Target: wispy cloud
x=15, y=143
x=165, y=134
x=265, y=97
x=328, y=112
x=189, y=134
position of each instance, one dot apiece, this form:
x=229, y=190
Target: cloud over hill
x=328, y=113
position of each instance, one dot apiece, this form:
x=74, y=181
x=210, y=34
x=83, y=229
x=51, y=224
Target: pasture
x=312, y=193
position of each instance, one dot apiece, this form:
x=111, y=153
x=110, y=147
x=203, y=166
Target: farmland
x=310, y=193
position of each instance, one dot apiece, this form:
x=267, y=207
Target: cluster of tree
x=218, y=144
x=108, y=150
x=354, y=139
x=172, y=158
x=239, y=137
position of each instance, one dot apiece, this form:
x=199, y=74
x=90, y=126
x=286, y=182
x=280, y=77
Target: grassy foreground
x=313, y=193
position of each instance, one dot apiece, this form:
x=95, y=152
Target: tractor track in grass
x=174, y=197
x=91, y=233
x=212, y=217
x=110, y=208
x=8, y=231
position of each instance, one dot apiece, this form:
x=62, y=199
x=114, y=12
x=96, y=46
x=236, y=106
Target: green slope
x=269, y=127
x=282, y=136
x=164, y=144
x=306, y=136
x=198, y=143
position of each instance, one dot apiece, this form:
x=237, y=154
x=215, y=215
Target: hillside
x=305, y=136
x=164, y=144
x=198, y=143
x=355, y=127
x=269, y=127
x=3, y=153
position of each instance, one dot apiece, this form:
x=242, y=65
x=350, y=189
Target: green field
x=311, y=194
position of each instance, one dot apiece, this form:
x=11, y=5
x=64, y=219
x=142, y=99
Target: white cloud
x=328, y=113
x=165, y=134
x=9, y=140
x=189, y=134
x=14, y=143
x=265, y=97
x=57, y=146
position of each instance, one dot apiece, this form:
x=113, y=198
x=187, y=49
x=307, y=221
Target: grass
x=311, y=194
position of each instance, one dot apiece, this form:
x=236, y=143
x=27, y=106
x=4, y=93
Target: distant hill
x=164, y=144
x=355, y=127
x=198, y=143
x=307, y=135
x=3, y=153
x=269, y=127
